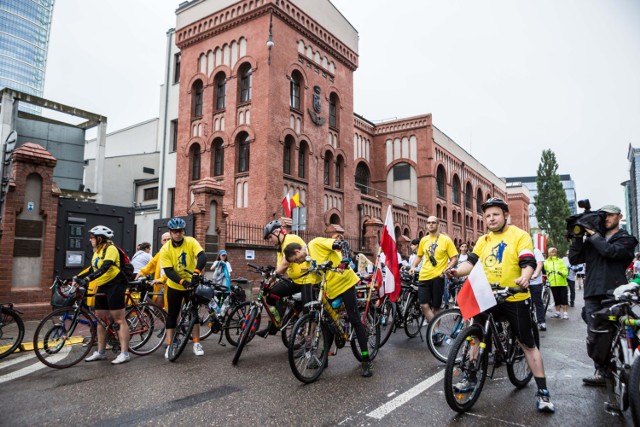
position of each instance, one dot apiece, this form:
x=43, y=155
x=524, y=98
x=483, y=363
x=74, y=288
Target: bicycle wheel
x=620, y=376
x=546, y=298
x=64, y=337
x=147, y=329
x=249, y=328
x=386, y=317
x=413, y=318
x=233, y=324
x=308, y=348
x=182, y=334
x=205, y=318
x=517, y=366
x=464, y=376
x=11, y=331
x=373, y=337
x=442, y=332
x=634, y=391
x=286, y=331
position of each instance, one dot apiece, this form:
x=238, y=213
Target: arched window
x=294, y=90
x=441, y=182
x=479, y=202
x=334, y=104
x=194, y=155
x=438, y=212
x=455, y=190
x=197, y=92
x=302, y=160
x=328, y=158
x=468, y=197
x=243, y=152
x=444, y=214
x=218, y=157
x=335, y=219
x=339, y=169
x=244, y=82
x=397, y=232
x=286, y=159
x=221, y=91
x=362, y=178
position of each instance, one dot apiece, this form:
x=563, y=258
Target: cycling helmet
x=176, y=224
x=495, y=201
x=270, y=228
x=101, y=230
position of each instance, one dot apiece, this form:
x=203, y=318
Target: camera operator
x=607, y=257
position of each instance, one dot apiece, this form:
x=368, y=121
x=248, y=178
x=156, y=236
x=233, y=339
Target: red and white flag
x=388, y=245
x=540, y=242
x=476, y=295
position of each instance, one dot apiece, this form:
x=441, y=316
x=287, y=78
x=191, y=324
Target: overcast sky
x=505, y=79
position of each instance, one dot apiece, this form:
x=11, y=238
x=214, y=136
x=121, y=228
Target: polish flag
x=290, y=203
x=476, y=295
x=540, y=242
x=388, y=245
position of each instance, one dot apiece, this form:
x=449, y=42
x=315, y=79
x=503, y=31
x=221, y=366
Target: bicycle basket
x=203, y=294
x=65, y=294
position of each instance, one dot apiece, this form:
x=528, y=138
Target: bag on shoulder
x=126, y=268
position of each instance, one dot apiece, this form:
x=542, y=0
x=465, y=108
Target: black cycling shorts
x=113, y=295
x=560, y=295
x=518, y=314
x=431, y=292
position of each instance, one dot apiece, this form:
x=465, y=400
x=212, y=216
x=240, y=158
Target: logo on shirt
x=495, y=257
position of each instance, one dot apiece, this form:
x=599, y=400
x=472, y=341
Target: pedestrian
x=607, y=257
x=222, y=270
x=557, y=273
x=571, y=280
x=154, y=268
x=141, y=258
x=536, y=287
x=414, y=255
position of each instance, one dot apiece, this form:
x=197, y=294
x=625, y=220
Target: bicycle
x=11, y=329
x=444, y=328
x=470, y=356
x=309, y=345
x=224, y=314
x=66, y=335
x=390, y=315
x=253, y=316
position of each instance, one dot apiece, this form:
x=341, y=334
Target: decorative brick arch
x=203, y=78
x=247, y=59
x=220, y=68
x=296, y=67
x=195, y=140
x=243, y=128
x=216, y=135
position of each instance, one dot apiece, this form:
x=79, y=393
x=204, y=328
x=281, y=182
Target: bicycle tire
x=386, y=317
x=373, y=337
x=205, y=317
x=308, y=348
x=182, y=335
x=546, y=299
x=634, y=391
x=233, y=324
x=518, y=369
x=147, y=328
x=414, y=318
x=442, y=332
x=63, y=338
x=249, y=328
x=11, y=331
x=285, y=333
x=458, y=366
x=620, y=377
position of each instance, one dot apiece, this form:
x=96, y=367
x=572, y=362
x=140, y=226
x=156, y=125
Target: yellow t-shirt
x=442, y=248
x=296, y=272
x=110, y=254
x=320, y=250
x=500, y=255
x=182, y=259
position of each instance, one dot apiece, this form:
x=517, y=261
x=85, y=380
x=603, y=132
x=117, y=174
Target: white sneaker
x=95, y=356
x=197, y=349
x=565, y=316
x=122, y=358
x=166, y=353
x=556, y=315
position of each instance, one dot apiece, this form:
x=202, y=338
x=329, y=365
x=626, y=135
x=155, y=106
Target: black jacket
x=607, y=261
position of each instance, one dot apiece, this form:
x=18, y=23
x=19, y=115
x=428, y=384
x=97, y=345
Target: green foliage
x=551, y=203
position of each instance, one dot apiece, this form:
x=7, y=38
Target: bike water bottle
x=336, y=303
x=214, y=304
x=275, y=313
x=225, y=305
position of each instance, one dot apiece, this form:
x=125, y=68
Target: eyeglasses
x=432, y=222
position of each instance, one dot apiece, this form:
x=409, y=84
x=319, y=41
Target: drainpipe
x=163, y=148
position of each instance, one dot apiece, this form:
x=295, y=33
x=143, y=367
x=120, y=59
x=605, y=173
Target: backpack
x=126, y=268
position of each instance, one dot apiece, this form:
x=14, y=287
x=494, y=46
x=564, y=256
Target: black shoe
x=265, y=331
x=367, y=369
x=596, y=380
x=572, y=305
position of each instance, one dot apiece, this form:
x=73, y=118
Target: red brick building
x=266, y=109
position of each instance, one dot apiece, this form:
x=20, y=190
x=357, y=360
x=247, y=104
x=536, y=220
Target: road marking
x=17, y=360
x=35, y=367
x=403, y=398
x=496, y=419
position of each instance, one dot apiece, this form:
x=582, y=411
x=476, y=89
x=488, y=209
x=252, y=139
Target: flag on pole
x=290, y=203
x=540, y=242
x=388, y=245
x=295, y=201
x=476, y=295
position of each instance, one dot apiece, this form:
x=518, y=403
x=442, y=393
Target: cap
x=611, y=209
x=222, y=252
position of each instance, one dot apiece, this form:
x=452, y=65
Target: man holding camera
x=438, y=253
x=607, y=253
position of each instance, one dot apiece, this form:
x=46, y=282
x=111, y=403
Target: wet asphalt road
x=261, y=390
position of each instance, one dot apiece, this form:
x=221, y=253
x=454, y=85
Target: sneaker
x=122, y=358
x=96, y=356
x=367, y=369
x=543, y=402
x=466, y=385
x=556, y=315
x=565, y=316
x=166, y=353
x=197, y=349
x=596, y=380
x=542, y=326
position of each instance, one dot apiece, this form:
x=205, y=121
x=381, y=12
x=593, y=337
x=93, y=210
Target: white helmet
x=101, y=230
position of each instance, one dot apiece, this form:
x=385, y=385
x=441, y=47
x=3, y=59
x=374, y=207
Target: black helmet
x=270, y=228
x=495, y=201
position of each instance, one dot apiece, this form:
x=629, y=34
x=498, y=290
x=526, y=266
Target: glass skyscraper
x=24, y=42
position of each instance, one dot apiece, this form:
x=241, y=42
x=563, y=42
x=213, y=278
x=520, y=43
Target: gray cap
x=611, y=209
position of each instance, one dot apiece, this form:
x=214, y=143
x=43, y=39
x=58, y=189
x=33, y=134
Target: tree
x=551, y=203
